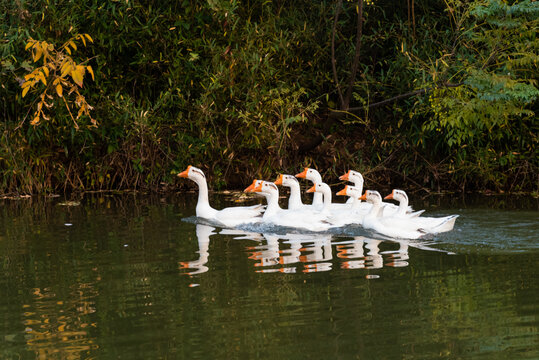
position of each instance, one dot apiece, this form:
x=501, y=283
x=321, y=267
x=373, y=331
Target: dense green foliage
x=245, y=89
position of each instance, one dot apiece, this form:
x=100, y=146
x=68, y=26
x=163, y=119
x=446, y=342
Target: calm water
x=123, y=277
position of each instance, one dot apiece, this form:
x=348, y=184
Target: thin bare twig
x=403, y=96
x=333, y=61
x=355, y=64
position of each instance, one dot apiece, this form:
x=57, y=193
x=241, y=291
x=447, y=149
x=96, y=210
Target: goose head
x=251, y=188
x=266, y=187
x=350, y=191
x=353, y=176
x=320, y=188
x=398, y=195
x=372, y=196
x=192, y=173
x=286, y=180
x=310, y=174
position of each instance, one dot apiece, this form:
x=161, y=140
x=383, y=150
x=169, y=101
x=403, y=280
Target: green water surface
x=123, y=277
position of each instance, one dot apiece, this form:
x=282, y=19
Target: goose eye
x=198, y=172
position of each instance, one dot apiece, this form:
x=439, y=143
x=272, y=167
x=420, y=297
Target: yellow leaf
x=59, y=90
x=27, y=84
x=72, y=43
x=77, y=75
x=42, y=78
x=46, y=70
x=82, y=38
x=80, y=113
x=68, y=50
x=66, y=69
x=29, y=76
x=91, y=71
x=29, y=44
x=81, y=69
x=25, y=90
x=35, y=121
x=37, y=55
x=89, y=38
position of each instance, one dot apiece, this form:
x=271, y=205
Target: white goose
x=315, y=177
x=305, y=219
x=389, y=209
x=294, y=200
x=318, y=198
x=403, y=209
x=227, y=217
x=357, y=179
x=387, y=225
x=357, y=211
x=325, y=191
x=431, y=224
x=340, y=214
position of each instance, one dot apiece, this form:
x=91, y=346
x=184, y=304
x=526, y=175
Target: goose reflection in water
x=314, y=252
x=203, y=233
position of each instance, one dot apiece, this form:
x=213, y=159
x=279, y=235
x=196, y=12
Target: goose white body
x=355, y=211
x=394, y=227
x=303, y=218
x=227, y=217
x=389, y=209
x=430, y=224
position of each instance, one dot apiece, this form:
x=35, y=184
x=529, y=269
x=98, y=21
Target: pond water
x=124, y=277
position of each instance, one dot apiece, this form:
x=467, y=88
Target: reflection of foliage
x=82, y=293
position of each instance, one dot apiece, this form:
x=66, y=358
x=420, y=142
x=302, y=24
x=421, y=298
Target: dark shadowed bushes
x=244, y=89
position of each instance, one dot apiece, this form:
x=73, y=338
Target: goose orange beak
x=364, y=196
x=343, y=191
x=251, y=187
x=345, y=176
x=303, y=174
x=279, y=180
x=312, y=189
x=258, y=188
x=389, y=197
x=185, y=173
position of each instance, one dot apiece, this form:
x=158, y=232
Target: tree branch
x=333, y=61
x=405, y=95
x=355, y=64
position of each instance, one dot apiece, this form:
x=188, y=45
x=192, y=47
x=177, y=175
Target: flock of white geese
x=322, y=215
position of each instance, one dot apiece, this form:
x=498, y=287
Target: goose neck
x=317, y=199
x=327, y=199
x=403, y=206
x=376, y=210
x=203, y=205
x=273, y=205
x=294, y=201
